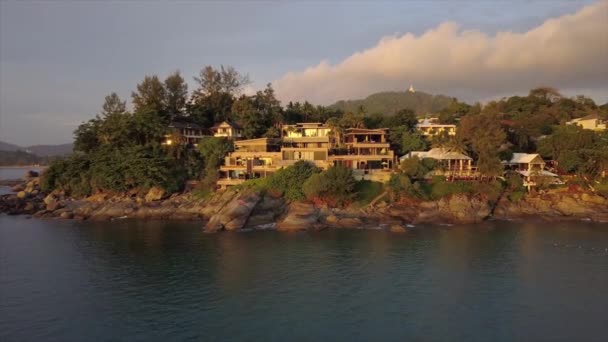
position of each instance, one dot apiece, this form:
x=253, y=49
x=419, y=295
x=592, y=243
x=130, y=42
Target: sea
x=129, y=280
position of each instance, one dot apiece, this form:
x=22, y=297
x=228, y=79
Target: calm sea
x=158, y=281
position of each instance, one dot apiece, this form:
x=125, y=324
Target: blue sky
x=59, y=59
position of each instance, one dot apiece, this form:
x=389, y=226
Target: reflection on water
x=64, y=280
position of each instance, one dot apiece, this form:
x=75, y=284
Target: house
x=366, y=151
x=452, y=164
x=592, y=122
x=306, y=141
x=430, y=128
x=252, y=158
x=186, y=132
x=530, y=166
x=227, y=129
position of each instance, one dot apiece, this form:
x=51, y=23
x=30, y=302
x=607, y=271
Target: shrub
x=335, y=186
x=366, y=190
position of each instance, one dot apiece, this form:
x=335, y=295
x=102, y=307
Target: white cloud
x=567, y=52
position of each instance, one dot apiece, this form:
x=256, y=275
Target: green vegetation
x=392, y=102
x=334, y=186
x=120, y=151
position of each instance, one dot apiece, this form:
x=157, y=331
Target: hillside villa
x=366, y=151
x=453, y=165
x=190, y=133
x=592, y=122
x=429, y=127
x=227, y=129
x=530, y=166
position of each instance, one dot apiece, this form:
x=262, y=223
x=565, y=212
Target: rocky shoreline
x=250, y=210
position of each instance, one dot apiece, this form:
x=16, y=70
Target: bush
x=417, y=168
x=366, y=190
x=334, y=186
x=287, y=182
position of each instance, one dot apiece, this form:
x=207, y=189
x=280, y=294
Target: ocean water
x=157, y=281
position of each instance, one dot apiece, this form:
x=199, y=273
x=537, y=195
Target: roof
x=231, y=124
x=428, y=123
x=437, y=153
x=523, y=158
x=366, y=131
x=182, y=125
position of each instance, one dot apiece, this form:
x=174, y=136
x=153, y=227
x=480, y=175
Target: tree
x=151, y=97
x=113, y=105
x=225, y=80
x=484, y=136
x=335, y=186
x=177, y=93
x=405, y=117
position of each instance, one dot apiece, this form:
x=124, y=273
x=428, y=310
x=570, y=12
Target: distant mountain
x=392, y=102
x=39, y=150
x=51, y=150
x=4, y=146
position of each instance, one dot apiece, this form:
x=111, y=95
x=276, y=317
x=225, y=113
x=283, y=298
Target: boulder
x=396, y=228
x=350, y=222
x=155, y=194
x=300, y=216
x=22, y=195
x=31, y=174
x=18, y=187
x=66, y=215
x=234, y=214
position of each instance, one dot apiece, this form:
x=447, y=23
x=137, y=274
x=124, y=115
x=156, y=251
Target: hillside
x=51, y=150
x=4, y=146
x=39, y=150
x=392, y=102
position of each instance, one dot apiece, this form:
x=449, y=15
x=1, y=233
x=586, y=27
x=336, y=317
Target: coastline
x=252, y=210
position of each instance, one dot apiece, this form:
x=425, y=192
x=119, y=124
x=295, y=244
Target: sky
x=58, y=60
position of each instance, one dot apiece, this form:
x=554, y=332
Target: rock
x=29, y=207
x=22, y=195
x=350, y=222
x=35, y=192
x=31, y=174
x=18, y=187
x=395, y=228
x=98, y=197
x=155, y=194
x=300, y=216
x=66, y=215
x=235, y=214
x=332, y=219
x=52, y=206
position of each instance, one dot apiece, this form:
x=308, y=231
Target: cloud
x=567, y=52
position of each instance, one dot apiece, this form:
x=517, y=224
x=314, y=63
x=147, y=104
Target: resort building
x=592, y=122
x=306, y=141
x=530, y=167
x=366, y=151
x=227, y=129
x=430, y=128
x=184, y=133
x=252, y=158
x=452, y=164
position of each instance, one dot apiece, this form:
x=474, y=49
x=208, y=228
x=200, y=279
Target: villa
x=430, y=128
x=454, y=165
x=592, y=122
x=189, y=132
x=366, y=151
x=530, y=166
x=227, y=129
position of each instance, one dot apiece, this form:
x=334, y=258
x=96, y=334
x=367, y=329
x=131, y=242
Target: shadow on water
x=138, y=280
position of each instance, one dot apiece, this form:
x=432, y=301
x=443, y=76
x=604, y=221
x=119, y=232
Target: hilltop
x=39, y=150
x=391, y=102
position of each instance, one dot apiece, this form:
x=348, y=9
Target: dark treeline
x=121, y=150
